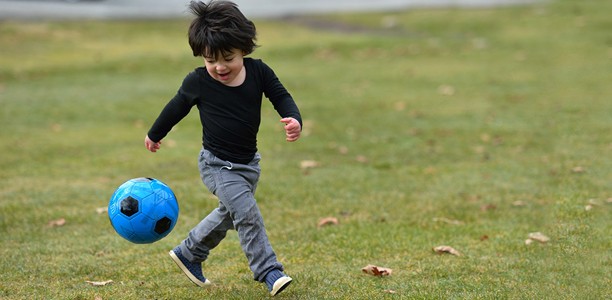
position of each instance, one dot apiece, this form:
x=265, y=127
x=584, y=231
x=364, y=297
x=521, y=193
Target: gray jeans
x=234, y=184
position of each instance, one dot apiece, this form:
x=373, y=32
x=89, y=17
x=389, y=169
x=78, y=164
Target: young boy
x=228, y=93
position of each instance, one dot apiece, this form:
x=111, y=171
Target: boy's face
x=227, y=68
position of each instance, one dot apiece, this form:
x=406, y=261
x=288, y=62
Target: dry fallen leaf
x=361, y=158
x=538, y=237
x=307, y=164
x=390, y=291
x=57, y=223
x=99, y=283
x=446, y=90
x=578, y=169
x=488, y=207
x=592, y=204
x=376, y=270
x=446, y=249
x=102, y=210
x=327, y=221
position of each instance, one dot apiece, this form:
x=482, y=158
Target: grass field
x=466, y=128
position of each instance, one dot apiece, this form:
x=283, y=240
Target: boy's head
x=219, y=28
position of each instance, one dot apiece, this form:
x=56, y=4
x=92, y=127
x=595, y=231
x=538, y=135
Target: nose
x=220, y=68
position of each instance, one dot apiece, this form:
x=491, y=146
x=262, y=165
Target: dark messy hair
x=218, y=28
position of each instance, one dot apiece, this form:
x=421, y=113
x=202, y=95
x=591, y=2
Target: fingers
x=150, y=145
x=292, y=129
x=154, y=147
x=292, y=137
x=291, y=123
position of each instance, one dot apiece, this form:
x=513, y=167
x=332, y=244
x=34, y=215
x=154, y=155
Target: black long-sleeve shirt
x=230, y=116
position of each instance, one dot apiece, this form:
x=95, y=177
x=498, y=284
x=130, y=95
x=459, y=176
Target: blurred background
x=110, y=9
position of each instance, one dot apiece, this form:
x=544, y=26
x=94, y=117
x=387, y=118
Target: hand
x=151, y=145
x=293, y=129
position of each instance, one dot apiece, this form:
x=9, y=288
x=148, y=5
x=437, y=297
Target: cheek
x=211, y=71
x=237, y=66
x=209, y=66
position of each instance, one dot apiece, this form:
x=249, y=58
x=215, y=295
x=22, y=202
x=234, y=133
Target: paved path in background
x=130, y=9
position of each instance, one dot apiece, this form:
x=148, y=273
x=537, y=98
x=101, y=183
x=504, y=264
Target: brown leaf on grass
x=446, y=90
x=519, y=203
x=308, y=164
x=484, y=238
x=57, y=223
x=361, y=158
x=592, y=204
x=488, y=207
x=327, y=221
x=102, y=210
x=376, y=270
x=578, y=170
x=390, y=291
x=537, y=237
x=446, y=249
x=99, y=283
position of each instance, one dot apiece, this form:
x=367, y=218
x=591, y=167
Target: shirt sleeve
x=279, y=96
x=178, y=107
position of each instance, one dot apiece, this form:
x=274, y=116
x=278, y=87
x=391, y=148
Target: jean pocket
x=208, y=178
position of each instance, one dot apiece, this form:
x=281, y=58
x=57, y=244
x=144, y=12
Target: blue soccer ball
x=143, y=210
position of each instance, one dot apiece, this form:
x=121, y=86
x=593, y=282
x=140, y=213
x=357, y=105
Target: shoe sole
x=186, y=271
x=280, y=285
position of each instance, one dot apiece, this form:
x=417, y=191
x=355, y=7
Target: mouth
x=223, y=76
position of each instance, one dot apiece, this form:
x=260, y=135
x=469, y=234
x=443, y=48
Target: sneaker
x=277, y=281
x=192, y=270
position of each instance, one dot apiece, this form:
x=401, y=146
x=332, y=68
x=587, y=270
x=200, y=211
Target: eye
x=229, y=58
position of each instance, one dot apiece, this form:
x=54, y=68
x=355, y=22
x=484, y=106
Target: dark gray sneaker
x=192, y=270
x=277, y=281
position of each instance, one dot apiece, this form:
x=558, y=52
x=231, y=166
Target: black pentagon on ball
x=162, y=225
x=129, y=206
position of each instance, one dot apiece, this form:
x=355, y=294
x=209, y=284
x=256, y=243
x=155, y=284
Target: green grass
x=412, y=116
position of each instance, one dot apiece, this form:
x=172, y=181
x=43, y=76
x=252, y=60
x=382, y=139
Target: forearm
x=172, y=113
